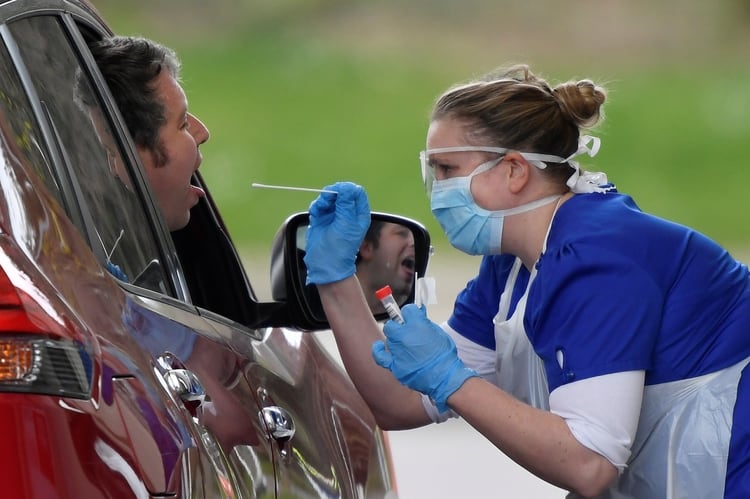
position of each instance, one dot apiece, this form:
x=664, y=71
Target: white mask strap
x=585, y=148
x=533, y=205
x=586, y=182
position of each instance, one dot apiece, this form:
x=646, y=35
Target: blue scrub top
x=619, y=290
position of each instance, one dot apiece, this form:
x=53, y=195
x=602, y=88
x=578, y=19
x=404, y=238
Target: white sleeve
x=474, y=355
x=602, y=412
x=432, y=411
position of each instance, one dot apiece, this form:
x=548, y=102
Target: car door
x=117, y=218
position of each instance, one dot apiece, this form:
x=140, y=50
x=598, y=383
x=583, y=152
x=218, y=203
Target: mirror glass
x=386, y=257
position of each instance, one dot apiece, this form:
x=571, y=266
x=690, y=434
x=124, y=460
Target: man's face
x=392, y=262
x=178, y=139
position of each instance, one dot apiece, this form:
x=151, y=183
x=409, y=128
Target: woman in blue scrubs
x=602, y=348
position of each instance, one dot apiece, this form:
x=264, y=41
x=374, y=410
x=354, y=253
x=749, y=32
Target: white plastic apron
x=682, y=443
x=520, y=371
x=518, y=368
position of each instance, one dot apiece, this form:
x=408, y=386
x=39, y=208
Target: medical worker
x=601, y=348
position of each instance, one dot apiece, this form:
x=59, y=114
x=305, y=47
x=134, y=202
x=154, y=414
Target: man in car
x=144, y=79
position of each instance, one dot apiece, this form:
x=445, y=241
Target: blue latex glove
x=422, y=356
x=116, y=271
x=338, y=224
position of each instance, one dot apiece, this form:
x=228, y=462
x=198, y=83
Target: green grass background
x=307, y=93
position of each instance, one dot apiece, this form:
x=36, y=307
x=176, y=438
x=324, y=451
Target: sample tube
x=385, y=295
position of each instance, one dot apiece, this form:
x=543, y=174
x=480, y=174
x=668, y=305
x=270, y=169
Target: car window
x=112, y=207
x=18, y=117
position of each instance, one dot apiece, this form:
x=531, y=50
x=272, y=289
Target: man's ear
x=151, y=158
x=366, y=250
x=148, y=160
x=519, y=172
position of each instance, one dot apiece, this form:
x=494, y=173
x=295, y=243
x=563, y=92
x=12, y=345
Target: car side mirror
x=395, y=250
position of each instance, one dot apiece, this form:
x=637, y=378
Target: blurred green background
x=308, y=92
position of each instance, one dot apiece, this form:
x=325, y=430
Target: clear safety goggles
x=428, y=170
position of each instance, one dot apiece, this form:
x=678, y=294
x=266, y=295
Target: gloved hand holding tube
x=338, y=224
x=422, y=356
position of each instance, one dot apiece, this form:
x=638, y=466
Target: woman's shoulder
x=607, y=226
x=603, y=202
x=595, y=216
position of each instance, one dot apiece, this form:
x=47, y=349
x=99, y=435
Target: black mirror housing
x=303, y=308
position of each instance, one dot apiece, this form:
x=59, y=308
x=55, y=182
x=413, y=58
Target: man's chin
x=176, y=225
x=401, y=291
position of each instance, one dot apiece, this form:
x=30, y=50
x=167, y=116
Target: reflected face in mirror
x=386, y=256
x=394, y=250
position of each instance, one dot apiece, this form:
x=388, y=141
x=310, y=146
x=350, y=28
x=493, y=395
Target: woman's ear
x=520, y=172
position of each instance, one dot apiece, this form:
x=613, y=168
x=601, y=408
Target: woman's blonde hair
x=514, y=109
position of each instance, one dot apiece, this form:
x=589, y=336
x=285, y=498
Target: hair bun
x=581, y=101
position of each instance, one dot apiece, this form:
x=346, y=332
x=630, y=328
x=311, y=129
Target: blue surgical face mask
x=469, y=227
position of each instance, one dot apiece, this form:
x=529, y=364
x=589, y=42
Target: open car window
x=106, y=195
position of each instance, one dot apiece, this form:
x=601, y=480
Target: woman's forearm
x=355, y=330
x=538, y=440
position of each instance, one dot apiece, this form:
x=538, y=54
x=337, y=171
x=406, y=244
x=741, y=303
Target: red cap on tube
x=383, y=292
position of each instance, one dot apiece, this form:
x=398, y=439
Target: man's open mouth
x=408, y=263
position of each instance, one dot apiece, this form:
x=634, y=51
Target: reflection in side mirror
x=387, y=256
x=395, y=250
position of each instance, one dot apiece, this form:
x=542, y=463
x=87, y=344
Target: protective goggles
x=428, y=169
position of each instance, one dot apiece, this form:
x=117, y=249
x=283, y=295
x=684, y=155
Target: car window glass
x=18, y=122
x=113, y=213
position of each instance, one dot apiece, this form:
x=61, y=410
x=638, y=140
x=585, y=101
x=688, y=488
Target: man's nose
x=200, y=133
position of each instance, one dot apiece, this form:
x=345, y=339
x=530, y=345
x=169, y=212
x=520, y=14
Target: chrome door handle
x=185, y=384
x=280, y=425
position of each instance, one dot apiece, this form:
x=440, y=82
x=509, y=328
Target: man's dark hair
x=372, y=236
x=130, y=66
